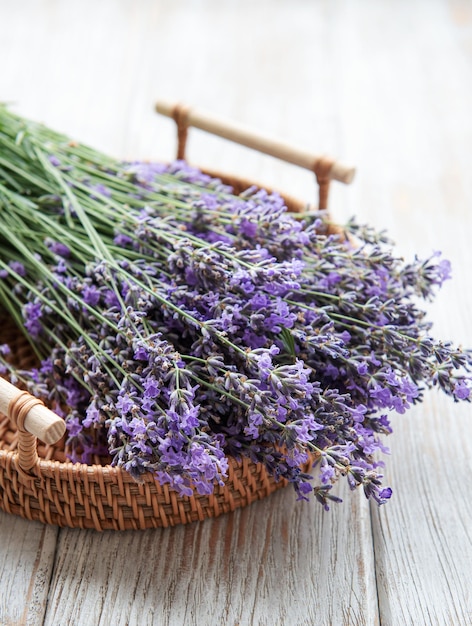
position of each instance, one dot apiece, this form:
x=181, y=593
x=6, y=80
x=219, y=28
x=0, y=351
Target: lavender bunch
x=176, y=323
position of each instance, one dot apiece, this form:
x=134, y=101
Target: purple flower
x=124, y=404
x=141, y=353
x=409, y=389
x=248, y=228
x=32, y=313
x=151, y=388
x=259, y=301
x=326, y=473
x=303, y=489
x=461, y=391
x=17, y=267
x=91, y=295
x=444, y=270
x=92, y=415
x=61, y=267
x=74, y=427
x=358, y=412
x=111, y=299
x=385, y=494
x=58, y=248
x=190, y=276
x=262, y=363
x=381, y=395
x=122, y=240
x=362, y=369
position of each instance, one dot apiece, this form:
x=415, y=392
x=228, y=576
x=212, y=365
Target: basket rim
x=111, y=470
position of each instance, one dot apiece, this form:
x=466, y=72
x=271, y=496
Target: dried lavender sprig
x=324, y=350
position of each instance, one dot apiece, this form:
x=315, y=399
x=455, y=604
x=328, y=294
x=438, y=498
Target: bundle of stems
x=176, y=323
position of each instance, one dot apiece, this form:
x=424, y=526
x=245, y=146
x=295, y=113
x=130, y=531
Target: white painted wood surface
x=385, y=85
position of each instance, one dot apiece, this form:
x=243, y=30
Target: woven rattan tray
x=36, y=480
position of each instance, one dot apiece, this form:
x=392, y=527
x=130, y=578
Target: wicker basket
x=36, y=480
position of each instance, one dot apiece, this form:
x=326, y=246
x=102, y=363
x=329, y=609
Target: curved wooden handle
x=324, y=168
x=29, y=414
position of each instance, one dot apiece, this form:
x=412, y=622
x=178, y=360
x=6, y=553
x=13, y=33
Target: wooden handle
x=247, y=137
x=38, y=420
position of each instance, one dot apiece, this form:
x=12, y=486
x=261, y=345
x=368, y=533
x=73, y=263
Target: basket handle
x=32, y=420
x=324, y=168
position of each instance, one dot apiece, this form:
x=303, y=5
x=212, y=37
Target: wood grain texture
x=423, y=543
x=422, y=183
x=380, y=84
x=271, y=563
x=26, y=563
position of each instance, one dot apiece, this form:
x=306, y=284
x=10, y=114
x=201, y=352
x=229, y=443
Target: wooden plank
x=423, y=540
x=408, y=77
x=276, y=562
x=26, y=563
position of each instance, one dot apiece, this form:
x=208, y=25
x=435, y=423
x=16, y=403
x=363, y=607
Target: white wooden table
x=386, y=85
